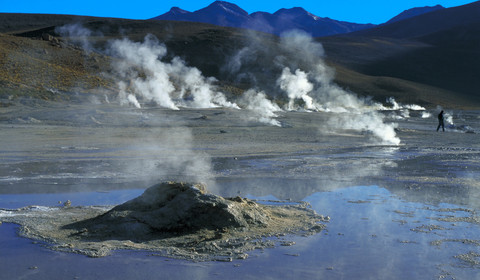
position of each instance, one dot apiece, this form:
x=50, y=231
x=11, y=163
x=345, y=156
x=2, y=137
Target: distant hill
x=414, y=12
x=440, y=49
x=428, y=23
x=227, y=14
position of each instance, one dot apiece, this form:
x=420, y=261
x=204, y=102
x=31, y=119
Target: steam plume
x=315, y=87
x=77, y=34
x=169, y=154
x=263, y=109
x=144, y=76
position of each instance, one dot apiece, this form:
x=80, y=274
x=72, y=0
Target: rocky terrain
x=48, y=68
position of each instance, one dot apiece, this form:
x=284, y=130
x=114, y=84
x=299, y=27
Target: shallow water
x=407, y=211
x=372, y=233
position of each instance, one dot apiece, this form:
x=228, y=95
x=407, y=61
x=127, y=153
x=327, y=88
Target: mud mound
x=177, y=220
x=174, y=208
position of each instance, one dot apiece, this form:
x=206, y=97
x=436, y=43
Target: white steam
x=370, y=122
x=145, y=77
x=169, y=154
x=77, y=34
x=318, y=92
x=263, y=110
x=426, y=115
x=297, y=86
x=398, y=106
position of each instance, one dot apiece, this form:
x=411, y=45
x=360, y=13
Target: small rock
x=325, y=218
x=287, y=243
x=47, y=37
x=242, y=256
x=293, y=255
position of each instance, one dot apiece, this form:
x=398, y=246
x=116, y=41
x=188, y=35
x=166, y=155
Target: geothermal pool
x=396, y=211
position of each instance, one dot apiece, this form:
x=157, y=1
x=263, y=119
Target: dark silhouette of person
x=440, y=121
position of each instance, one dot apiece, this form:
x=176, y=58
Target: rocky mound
x=173, y=219
x=175, y=208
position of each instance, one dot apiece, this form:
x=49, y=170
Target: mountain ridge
x=230, y=15
x=413, y=12
x=227, y=14
x=439, y=49
x=428, y=23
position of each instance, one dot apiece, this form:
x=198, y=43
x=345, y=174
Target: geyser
x=143, y=74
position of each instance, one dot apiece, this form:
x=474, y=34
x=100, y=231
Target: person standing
x=440, y=121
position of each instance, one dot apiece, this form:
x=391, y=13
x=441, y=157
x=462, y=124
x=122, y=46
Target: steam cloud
x=169, y=154
x=307, y=83
x=144, y=76
x=169, y=84
x=263, y=109
x=77, y=34
x=318, y=92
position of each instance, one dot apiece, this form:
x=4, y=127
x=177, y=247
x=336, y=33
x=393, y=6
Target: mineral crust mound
x=179, y=220
x=175, y=208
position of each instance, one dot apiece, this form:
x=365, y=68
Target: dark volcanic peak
x=227, y=14
x=225, y=7
x=218, y=13
x=295, y=12
x=414, y=12
x=178, y=11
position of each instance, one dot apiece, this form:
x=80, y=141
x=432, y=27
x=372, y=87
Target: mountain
x=439, y=49
x=428, y=23
x=218, y=13
x=227, y=14
x=414, y=12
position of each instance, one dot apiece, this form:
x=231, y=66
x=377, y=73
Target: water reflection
x=372, y=234
x=378, y=235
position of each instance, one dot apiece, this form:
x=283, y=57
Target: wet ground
x=406, y=211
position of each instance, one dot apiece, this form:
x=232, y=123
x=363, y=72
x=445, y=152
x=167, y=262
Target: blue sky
x=366, y=11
